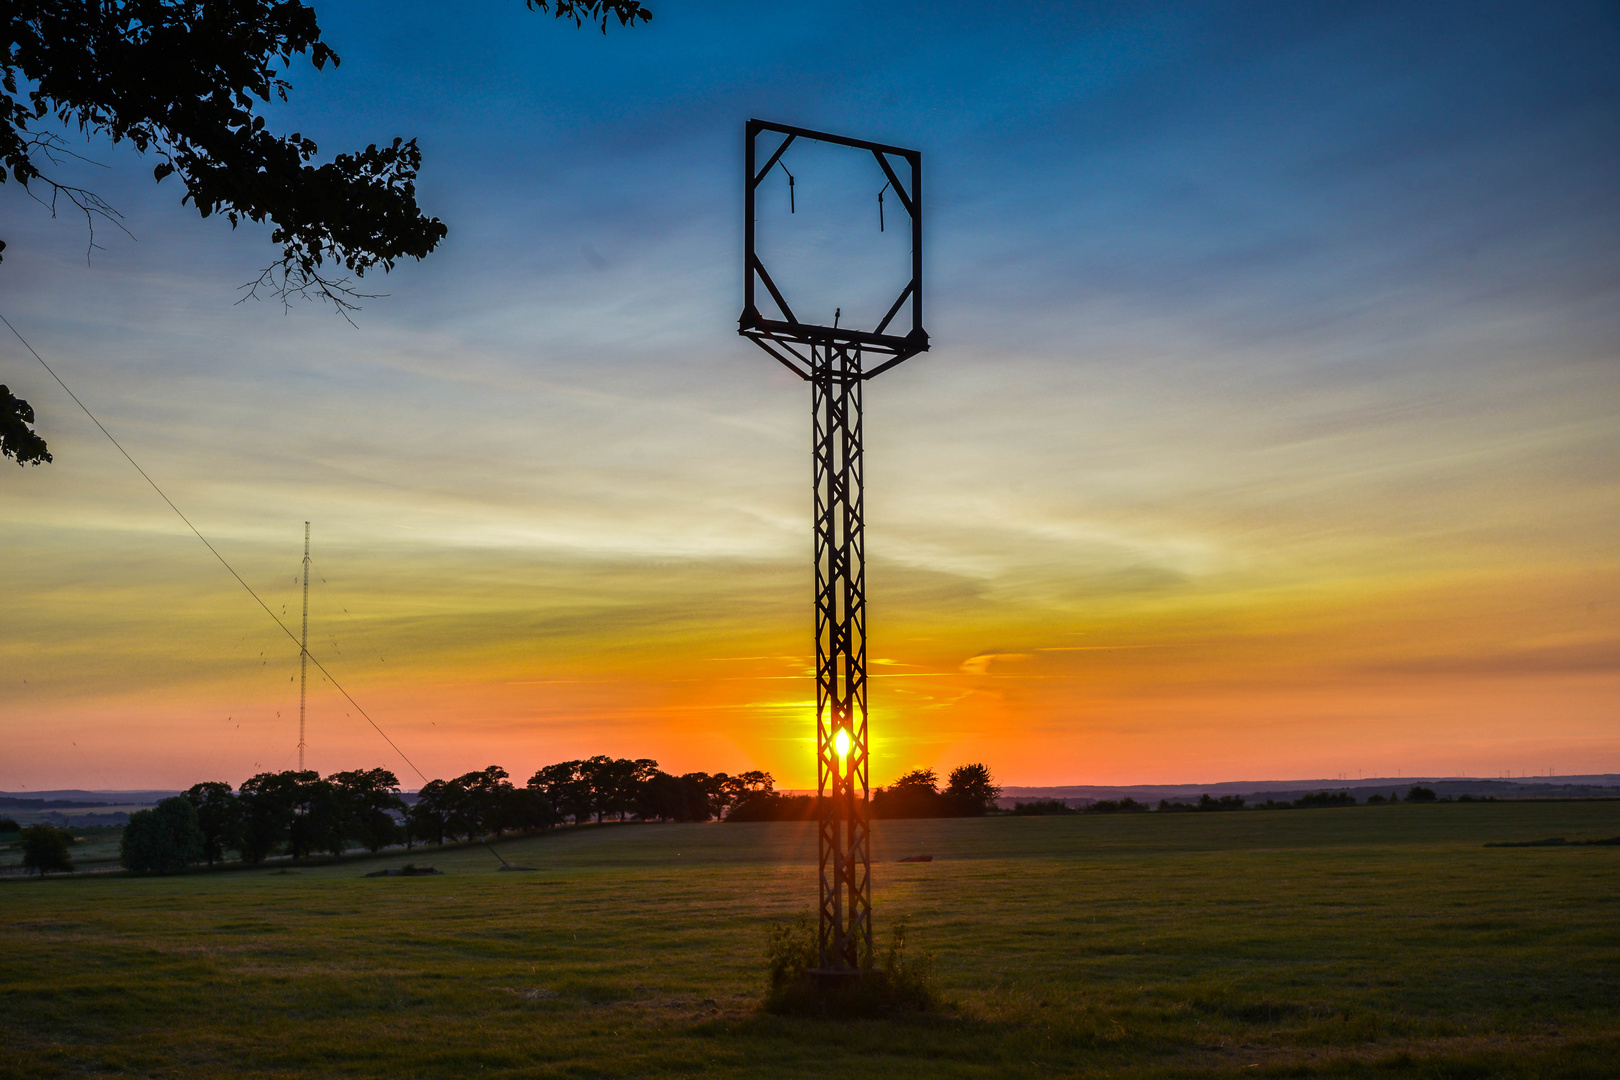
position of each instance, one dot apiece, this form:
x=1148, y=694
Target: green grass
x=1365, y=942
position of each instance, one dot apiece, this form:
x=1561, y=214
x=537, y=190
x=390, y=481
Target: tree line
x=300, y=813
x=971, y=792
x=1207, y=803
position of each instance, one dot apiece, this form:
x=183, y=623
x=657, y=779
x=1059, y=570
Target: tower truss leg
x=303, y=653
x=841, y=743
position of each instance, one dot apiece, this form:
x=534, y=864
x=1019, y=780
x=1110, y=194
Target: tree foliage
x=915, y=794
x=163, y=840
x=269, y=802
x=973, y=789
x=1042, y=808
x=45, y=849
x=1126, y=805
x=475, y=805
x=185, y=80
x=1207, y=802
x=219, y=816
x=369, y=807
x=299, y=813
x=18, y=440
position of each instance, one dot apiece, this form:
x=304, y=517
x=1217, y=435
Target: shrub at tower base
x=901, y=982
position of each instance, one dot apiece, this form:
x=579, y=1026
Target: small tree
x=1420, y=794
x=973, y=789
x=9, y=825
x=45, y=849
x=163, y=840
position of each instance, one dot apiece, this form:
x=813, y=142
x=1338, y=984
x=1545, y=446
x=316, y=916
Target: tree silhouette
x=183, y=80
x=270, y=801
x=367, y=801
x=914, y=795
x=163, y=840
x=430, y=817
x=972, y=789
x=219, y=816
x=45, y=849
x=565, y=788
x=18, y=440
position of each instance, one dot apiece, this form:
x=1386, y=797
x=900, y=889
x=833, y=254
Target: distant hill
x=1587, y=786
x=77, y=798
x=75, y=807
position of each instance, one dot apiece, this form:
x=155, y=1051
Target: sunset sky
x=1270, y=428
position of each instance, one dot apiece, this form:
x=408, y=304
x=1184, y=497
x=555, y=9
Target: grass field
x=1367, y=941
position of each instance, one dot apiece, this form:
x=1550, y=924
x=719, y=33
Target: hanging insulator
x=791, y=208
x=880, y=207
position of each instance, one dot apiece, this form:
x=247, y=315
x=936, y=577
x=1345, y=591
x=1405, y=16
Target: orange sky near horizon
x=705, y=665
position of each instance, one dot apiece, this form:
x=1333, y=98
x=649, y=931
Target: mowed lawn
x=1367, y=941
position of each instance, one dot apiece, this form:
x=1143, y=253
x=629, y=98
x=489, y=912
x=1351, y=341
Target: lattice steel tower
x=834, y=361
x=303, y=653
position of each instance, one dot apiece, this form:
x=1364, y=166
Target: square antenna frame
x=778, y=337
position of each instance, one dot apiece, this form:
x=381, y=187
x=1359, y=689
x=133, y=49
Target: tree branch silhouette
x=182, y=79
x=17, y=438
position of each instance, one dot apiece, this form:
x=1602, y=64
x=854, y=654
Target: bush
x=1117, y=806
x=7, y=825
x=769, y=806
x=45, y=849
x=1042, y=807
x=902, y=982
x=1325, y=798
x=791, y=949
x=162, y=840
x=1205, y=802
x=1420, y=794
